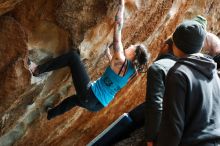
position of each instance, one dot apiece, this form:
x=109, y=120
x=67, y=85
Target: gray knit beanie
x=189, y=37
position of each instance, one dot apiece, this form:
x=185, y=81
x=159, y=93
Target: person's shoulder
x=156, y=66
x=165, y=59
x=165, y=62
x=155, y=70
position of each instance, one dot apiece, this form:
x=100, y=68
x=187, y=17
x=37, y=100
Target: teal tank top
x=110, y=83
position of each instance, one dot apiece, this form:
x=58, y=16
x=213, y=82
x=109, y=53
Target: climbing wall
x=43, y=29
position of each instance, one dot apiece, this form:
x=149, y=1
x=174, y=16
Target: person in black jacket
x=156, y=75
x=191, y=106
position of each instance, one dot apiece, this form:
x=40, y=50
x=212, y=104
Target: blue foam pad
x=114, y=132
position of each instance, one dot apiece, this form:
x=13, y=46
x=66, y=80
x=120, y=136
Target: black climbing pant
x=85, y=96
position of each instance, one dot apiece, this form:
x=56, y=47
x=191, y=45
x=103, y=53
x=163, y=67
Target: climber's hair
x=141, y=57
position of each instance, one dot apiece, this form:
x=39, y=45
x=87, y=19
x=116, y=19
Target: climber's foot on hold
x=33, y=69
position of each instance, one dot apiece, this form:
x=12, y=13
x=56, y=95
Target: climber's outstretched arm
x=117, y=44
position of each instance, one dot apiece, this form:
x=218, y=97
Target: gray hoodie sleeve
x=155, y=92
x=173, y=116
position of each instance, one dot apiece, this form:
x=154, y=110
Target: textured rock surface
x=15, y=77
x=7, y=5
x=42, y=29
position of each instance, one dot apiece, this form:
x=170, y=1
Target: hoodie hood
x=202, y=63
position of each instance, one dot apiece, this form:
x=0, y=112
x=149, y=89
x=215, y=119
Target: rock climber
x=124, y=64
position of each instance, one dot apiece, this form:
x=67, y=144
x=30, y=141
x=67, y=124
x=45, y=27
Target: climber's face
x=130, y=52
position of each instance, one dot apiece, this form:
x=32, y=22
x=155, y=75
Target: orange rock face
x=7, y=5
x=13, y=68
x=42, y=29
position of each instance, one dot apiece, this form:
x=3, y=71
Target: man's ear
x=164, y=49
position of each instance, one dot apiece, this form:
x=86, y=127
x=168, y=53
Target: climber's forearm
x=117, y=44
